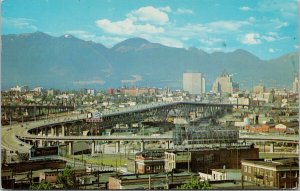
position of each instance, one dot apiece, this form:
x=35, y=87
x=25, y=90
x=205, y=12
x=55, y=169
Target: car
x=21, y=144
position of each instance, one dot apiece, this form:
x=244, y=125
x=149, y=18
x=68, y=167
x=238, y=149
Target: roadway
x=11, y=142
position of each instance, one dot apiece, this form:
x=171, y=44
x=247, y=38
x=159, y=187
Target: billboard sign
x=43, y=152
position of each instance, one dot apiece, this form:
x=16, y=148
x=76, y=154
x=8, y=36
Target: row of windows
x=5, y=177
x=170, y=156
x=51, y=174
x=157, y=167
x=258, y=171
x=265, y=172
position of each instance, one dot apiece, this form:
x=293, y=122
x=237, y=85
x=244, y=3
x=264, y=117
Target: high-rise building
x=194, y=83
x=224, y=84
x=296, y=83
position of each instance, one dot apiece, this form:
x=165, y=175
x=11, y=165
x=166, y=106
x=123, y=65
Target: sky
x=266, y=28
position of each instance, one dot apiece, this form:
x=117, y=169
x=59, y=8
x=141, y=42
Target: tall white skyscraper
x=296, y=83
x=193, y=82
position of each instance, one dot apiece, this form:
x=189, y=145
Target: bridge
x=56, y=131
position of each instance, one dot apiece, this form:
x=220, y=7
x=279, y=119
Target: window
x=271, y=173
x=283, y=175
x=245, y=168
x=249, y=169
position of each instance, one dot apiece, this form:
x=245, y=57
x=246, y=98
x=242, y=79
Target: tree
x=67, y=178
x=42, y=186
x=194, y=183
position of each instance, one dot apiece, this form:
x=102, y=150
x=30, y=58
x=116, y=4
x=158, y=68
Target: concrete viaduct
x=61, y=130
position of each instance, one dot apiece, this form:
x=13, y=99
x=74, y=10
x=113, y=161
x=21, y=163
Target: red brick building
x=138, y=91
x=149, y=162
x=279, y=173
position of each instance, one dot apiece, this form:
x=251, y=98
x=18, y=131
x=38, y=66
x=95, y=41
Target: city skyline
x=173, y=94
x=266, y=29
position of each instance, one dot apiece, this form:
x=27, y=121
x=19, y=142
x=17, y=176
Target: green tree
x=42, y=186
x=67, y=178
x=194, y=183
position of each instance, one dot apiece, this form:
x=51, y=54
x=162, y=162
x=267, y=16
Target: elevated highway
x=11, y=135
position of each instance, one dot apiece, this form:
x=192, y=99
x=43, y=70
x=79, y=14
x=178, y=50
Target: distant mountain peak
x=135, y=43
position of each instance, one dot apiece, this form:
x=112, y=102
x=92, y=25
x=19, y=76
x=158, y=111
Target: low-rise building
x=221, y=174
x=226, y=174
x=49, y=176
x=259, y=89
x=279, y=173
x=149, y=181
x=205, y=159
x=149, y=162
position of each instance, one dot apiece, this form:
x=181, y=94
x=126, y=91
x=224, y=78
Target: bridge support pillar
x=271, y=147
x=62, y=130
x=142, y=146
x=117, y=146
x=70, y=148
x=41, y=143
x=52, y=132
x=93, y=148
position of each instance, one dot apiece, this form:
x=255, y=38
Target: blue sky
x=267, y=28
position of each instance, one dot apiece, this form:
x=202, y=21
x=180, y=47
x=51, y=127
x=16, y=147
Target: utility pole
x=167, y=181
x=149, y=183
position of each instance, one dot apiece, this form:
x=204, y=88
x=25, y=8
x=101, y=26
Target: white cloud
x=268, y=38
x=251, y=19
x=136, y=78
x=119, y=27
x=19, y=23
x=275, y=34
x=296, y=46
x=211, y=41
x=245, y=8
x=251, y=38
x=184, y=11
x=278, y=23
x=89, y=82
x=226, y=25
x=271, y=50
x=127, y=27
x=165, y=9
x=149, y=14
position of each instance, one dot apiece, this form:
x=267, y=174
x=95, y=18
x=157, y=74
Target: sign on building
x=43, y=152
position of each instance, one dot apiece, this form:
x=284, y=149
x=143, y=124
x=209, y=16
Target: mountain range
x=66, y=62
